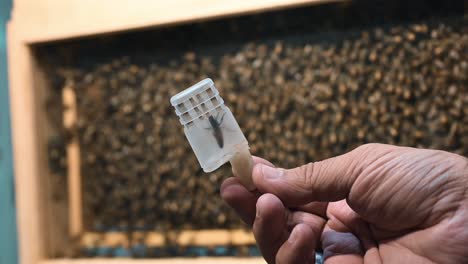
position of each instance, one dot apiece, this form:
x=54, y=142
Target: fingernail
x=293, y=236
x=271, y=173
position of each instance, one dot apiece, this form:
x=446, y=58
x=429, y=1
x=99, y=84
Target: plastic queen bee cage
x=212, y=131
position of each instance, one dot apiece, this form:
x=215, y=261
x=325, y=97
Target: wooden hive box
x=44, y=230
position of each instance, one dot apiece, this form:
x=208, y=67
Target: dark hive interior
x=304, y=84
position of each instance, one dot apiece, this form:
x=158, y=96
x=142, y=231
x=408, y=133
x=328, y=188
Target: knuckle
x=366, y=148
x=305, y=174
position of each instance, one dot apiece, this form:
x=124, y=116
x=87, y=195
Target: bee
x=216, y=126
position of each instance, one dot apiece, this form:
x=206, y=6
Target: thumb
x=327, y=180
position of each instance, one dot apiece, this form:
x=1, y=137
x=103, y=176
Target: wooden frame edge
x=31, y=233
x=203, y=238
x=78, y=18
x=204, y=260
x=75, y=203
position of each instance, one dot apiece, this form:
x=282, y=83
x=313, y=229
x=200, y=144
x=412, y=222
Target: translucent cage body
x=210, y=127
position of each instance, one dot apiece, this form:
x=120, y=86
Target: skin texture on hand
x=376, y=204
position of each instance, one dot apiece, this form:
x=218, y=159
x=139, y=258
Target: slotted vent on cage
x=197, y=106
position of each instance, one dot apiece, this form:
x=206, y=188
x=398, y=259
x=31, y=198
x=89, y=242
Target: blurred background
x=304, y=83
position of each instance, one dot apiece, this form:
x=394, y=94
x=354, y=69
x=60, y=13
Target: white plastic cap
x=210, y=127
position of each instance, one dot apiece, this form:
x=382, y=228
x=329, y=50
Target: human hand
x=375, y=204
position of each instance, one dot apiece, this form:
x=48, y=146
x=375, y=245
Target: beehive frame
x=33, y=22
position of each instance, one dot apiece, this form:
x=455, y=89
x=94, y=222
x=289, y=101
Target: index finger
x=239, y=198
